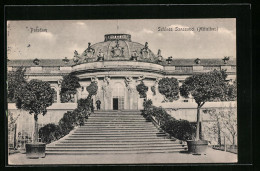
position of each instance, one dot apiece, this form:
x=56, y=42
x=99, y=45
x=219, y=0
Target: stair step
x=111, y=149
x=84, y=148
x=115, y=146
x=112, y=152
x=161, y=140
x=119, y=133
x=114, y=129
x=116, y=143
x=113, y=136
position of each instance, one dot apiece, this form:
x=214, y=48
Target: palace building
x=118, y=65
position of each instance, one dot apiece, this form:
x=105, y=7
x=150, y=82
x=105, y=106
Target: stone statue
x=100, y=55
x=140, y=78
x=155, y=86
x=94, y=79
x=130, y=84
x=106, y=86
x=134, y=55
x=76, y=56
x=145, y=51
x=160, y=58
x=89, y=52
x=59, y=82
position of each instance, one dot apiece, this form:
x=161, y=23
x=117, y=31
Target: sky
x=60, y=38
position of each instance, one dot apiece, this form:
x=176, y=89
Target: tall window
x=55, y=95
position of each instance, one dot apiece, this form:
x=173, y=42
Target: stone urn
x=197, y=147
x=35, y=150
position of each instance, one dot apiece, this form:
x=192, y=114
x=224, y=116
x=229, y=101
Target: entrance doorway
x=118, y=96
x=115, y=103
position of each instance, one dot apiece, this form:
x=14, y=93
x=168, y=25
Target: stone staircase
x=115, y=132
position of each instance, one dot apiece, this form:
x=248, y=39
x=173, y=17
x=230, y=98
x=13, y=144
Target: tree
x=36, y=96
x=69, y=86
x=15, y=81
x=215, y=126
x=169, y=87
x=231, y=92
x=142, y=89
x=228, y=120
x=204, y=87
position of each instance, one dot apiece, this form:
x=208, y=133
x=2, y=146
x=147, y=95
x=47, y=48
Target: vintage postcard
x=122, y=91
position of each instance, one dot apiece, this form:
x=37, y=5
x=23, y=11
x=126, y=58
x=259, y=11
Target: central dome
x=117, y=47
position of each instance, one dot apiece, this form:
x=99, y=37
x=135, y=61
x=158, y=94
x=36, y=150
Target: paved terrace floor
x=212, y=156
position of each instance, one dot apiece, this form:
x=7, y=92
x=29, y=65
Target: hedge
x=180, y=129
x=70, y=119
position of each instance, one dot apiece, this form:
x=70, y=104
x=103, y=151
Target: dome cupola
x=116, y=47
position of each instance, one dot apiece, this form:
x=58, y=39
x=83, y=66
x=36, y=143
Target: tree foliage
x=16, y=82
x=205, y=87
x=36, y=96
x=92, y=89
x=69, y=86
x=142, y=89
x=230, y=92
x=169, y=87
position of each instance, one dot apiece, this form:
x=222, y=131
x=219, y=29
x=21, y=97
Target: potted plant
x=35, y=96
x=203, y=87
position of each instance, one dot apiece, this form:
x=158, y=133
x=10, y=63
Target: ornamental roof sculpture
x=117, y=47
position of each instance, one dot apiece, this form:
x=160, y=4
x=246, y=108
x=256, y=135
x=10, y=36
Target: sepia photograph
x=122, y=91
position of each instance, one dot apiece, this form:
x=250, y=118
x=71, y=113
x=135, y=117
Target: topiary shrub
x=180, y=129
x=50, y=133
x=142, y=89
x=69, y=86
x=147, y=104
x=67, y=122
x=92, y=89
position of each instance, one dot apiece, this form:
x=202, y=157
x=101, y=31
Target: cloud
x=81, y=23
x=147, y=31
x=42, y=36
x=46, y=35
x=227, y=32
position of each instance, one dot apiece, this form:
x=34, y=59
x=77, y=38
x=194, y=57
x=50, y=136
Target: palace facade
x=118, y=65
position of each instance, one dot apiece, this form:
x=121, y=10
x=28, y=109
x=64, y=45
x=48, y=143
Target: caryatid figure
x=130, y=84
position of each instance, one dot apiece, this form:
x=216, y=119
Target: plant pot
x=197, y=147
x=35, y=151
